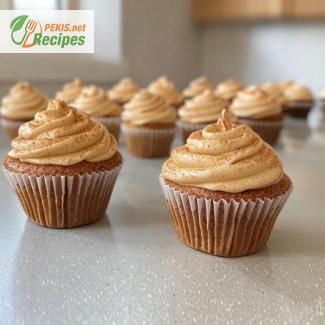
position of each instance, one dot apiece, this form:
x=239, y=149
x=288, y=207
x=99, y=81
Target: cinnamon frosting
x=255, y=103
x=224, y=157
x=95, y=102
x=197, y=87
x=228, y=89
x=22, y=102
x=204, y=108
x=70, y=91
x=123, y=91
x=298, y=92
x=275, y=90
x=284, y=85
x=147, y=108
x=62, y=135
x=165, y=88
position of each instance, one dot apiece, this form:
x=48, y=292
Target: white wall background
x=259, y=52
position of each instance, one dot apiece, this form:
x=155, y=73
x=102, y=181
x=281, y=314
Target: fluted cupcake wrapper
x=11, y=127
x=188, y=128
x=223, y=228
x=269, y=131
x=146, y=143
x=112, y=124
x=64, y=201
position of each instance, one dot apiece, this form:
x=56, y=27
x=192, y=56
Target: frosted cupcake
x=200, y=111
x=197, y=87
x=70, y=91
x=95, y=102
x=123, y=92
x=20, y=106
x=228, y=89
x=166, y=89
x=224, y=189
x=148, y=124
x=63, y=166
x=276, y=91
x=300, y=100
x=322, y=99
x=261, y=111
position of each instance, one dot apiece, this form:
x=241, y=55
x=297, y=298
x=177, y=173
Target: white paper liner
x=112, y=124
x=11, y=127
x=148, y=142
x=64, y=201
x=224, y=228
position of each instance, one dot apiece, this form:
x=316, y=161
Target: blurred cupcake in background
x=200, y=111
x=70, y=91
x=224, y=189
x=20, y=106
x=300, y=100
x=148, y=124
x=261, y=111
x=123, y=92
x=228, y=89
x=63, y=167
x=95, y=102
x=284, y=85
x=322, y=99
x=197, y=87
x=275, y=90
x=166, y=88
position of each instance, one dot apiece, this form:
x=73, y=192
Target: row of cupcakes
x=224, y=188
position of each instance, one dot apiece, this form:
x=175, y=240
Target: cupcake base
x=11, y=127
x=269, y=131
x=229, y=227
x=148, y=143
x=112, y=124
x=63, y=197
x=299, y=109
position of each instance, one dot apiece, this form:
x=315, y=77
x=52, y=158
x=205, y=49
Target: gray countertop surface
x=130, y=268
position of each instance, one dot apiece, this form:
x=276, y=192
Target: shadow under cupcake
x=224, y=189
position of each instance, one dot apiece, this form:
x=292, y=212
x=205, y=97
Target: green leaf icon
x=18, y=23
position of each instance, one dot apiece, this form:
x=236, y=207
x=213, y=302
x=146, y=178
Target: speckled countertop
x=130, y=268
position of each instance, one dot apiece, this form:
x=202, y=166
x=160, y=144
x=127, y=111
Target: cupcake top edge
x=22, y=102
x=70, y=91
x=197, y=87
x=226, y=157
x=228, y=88
x=62, y=135
x=298, y=92
x=123, y=91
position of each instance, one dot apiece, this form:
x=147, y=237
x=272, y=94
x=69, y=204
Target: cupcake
x=276, y=91
x=284, y=85
x=95, y=102
x=123, y=92
x=148, y=124
x=200, y=111
x=63, y=166
x=20, y=106
x=261, y=111
x=300, y=100
x=165, y=88
x=70, y=91
x=228, y=89
x=197, y=87
x=322, y=99
x=224, y=189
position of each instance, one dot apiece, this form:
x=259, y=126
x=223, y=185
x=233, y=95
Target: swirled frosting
x=147, y=108
x=298, y=92
x=95, y=102
x=224, y=157
x=284, y=85
x=70, y=91
x=22, y=102
x=275, y=90
x=197, y=87
x=228, y=89
x=165, y=88
x=255, y=103
x=62, y=135
x=123, y=91
x=204, y=108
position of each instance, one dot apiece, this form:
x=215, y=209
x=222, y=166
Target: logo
x=23, y=30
